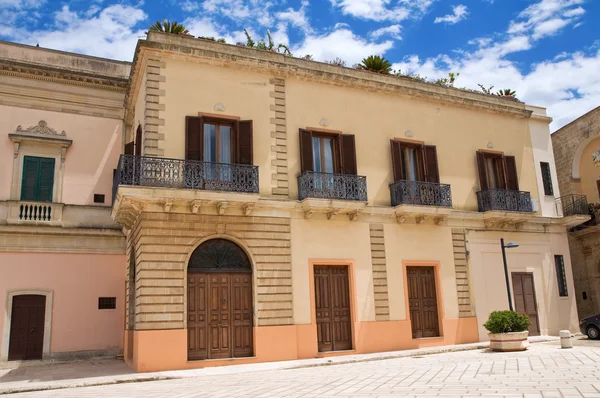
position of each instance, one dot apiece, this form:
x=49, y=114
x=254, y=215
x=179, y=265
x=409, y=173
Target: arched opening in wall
x=219, y=302
x=131, y=304
x=28, y=317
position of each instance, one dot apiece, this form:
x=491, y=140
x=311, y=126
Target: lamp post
x=510, y=245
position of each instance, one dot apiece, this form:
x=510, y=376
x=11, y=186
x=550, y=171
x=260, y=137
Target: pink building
x=62, y=261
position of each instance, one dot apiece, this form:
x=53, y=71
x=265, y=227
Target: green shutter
x=38, y=179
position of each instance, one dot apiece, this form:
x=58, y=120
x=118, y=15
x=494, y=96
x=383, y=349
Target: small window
x=107, y=303
x=38, y=179
x=547, y=179
x=98, y=198
x=560, y=276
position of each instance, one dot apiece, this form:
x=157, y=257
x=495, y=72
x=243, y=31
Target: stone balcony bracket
x=420, y=214
x=332, y=209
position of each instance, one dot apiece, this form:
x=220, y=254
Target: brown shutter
x=396, y=160
x=510, y=168
x=483, y=183
x=129, y=148
x=193, y=138
x=348, y=154
x=432, y=173
x=138, y=141
x=306, y=152
x=244, y=152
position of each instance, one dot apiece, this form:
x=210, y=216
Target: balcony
x=420, y=193
x=174, y=185
x=504, y=200
x=148, y=171
x=37, y=213
x=571, y=205
x=332, y=186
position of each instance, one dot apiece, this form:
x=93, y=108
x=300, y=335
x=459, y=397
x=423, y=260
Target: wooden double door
x=332, y=308
x=422, y=302
x=219, y=315
x=27, y=327
x=525, y=302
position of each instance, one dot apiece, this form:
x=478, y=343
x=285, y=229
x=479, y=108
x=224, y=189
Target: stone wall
x=164, y=242
x=380, y=281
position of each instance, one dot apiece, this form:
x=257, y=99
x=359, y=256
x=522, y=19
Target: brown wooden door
x=525, y=302
x=220, y=314
x=332, y=308
x=27, y=327
x=422, y=302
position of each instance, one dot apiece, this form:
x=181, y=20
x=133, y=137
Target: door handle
x=224, y=300
x=32, y=330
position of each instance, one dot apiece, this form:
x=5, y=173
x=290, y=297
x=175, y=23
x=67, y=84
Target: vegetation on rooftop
x=167, y=26
x=377, y=64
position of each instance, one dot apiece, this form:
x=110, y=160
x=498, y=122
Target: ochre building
x=274, y=208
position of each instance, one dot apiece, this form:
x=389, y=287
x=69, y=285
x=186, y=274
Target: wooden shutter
x=46, y=180
x=483, y=183
x=194, y=138
x=348, y=154
x=244, y=151
x=138, y=141
x=129, y=148
x=510, y=168
x=432, y=173
x=397, y=160
x=306, y=151
x=29, y=181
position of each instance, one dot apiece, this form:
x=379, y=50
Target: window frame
x=218, y=123
x=39, y=160
x=335, y=142
x=420, y=160
x=546, y=173
x=561, y=275
x=498, y=160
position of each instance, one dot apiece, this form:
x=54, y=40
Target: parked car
x=590, y=326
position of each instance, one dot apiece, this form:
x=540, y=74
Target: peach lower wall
x=158, y=350
x=76, y=280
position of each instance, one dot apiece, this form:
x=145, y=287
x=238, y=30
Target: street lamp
x=509, y=245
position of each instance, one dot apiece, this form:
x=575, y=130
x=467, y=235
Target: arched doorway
x=219, y=302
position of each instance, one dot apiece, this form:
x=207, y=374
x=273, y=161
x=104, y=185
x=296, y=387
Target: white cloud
x=297, y=18
x=111, y=33
x=392, y=30
x=340, y=43
x=459, y=13
x=547, y=17
x=381, y=10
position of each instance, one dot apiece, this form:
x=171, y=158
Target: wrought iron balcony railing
x=332, y=186
x=185, y=174
x=570, y=205
x=504, y=200
x=421, y=193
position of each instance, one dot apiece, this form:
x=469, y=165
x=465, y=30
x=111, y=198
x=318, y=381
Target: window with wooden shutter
x=483, y=183
x=193, y=138
x=348, y=154
x=38, y=179
x=512, y=179
x=129, y=148
x=244, y=149
x=397, y=160
x=306, y=151
x=561, y=276
x=138, y=141
x=432, y=173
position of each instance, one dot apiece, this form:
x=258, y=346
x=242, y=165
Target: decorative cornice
x=62, y=76
x=280, y=65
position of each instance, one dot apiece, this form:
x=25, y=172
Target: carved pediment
x=41, y=128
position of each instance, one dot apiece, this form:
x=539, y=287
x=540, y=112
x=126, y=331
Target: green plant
x=506, y=322
x=167, y=26
x=377, y=64
x=487, y=91
x=221, y=40
x=249, y=41
x=447, y=81
x=308, y=57
x=507, y=92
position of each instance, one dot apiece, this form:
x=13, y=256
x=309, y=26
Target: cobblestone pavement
x=544, y=370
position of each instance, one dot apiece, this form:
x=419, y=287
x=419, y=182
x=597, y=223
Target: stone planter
x=516, y=341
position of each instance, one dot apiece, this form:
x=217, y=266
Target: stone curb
x=322, y=362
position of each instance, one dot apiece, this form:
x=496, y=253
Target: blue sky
x=546, y=50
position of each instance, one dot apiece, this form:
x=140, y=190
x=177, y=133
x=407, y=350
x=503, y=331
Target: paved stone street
x=543, y=371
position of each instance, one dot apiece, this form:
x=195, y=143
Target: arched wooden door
x=219, y=302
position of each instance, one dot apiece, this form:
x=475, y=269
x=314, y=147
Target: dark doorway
x=27, y=327
x=422, y=302
x=332, y=308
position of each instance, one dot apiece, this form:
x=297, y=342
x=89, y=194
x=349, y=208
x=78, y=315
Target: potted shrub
x=507, y=331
